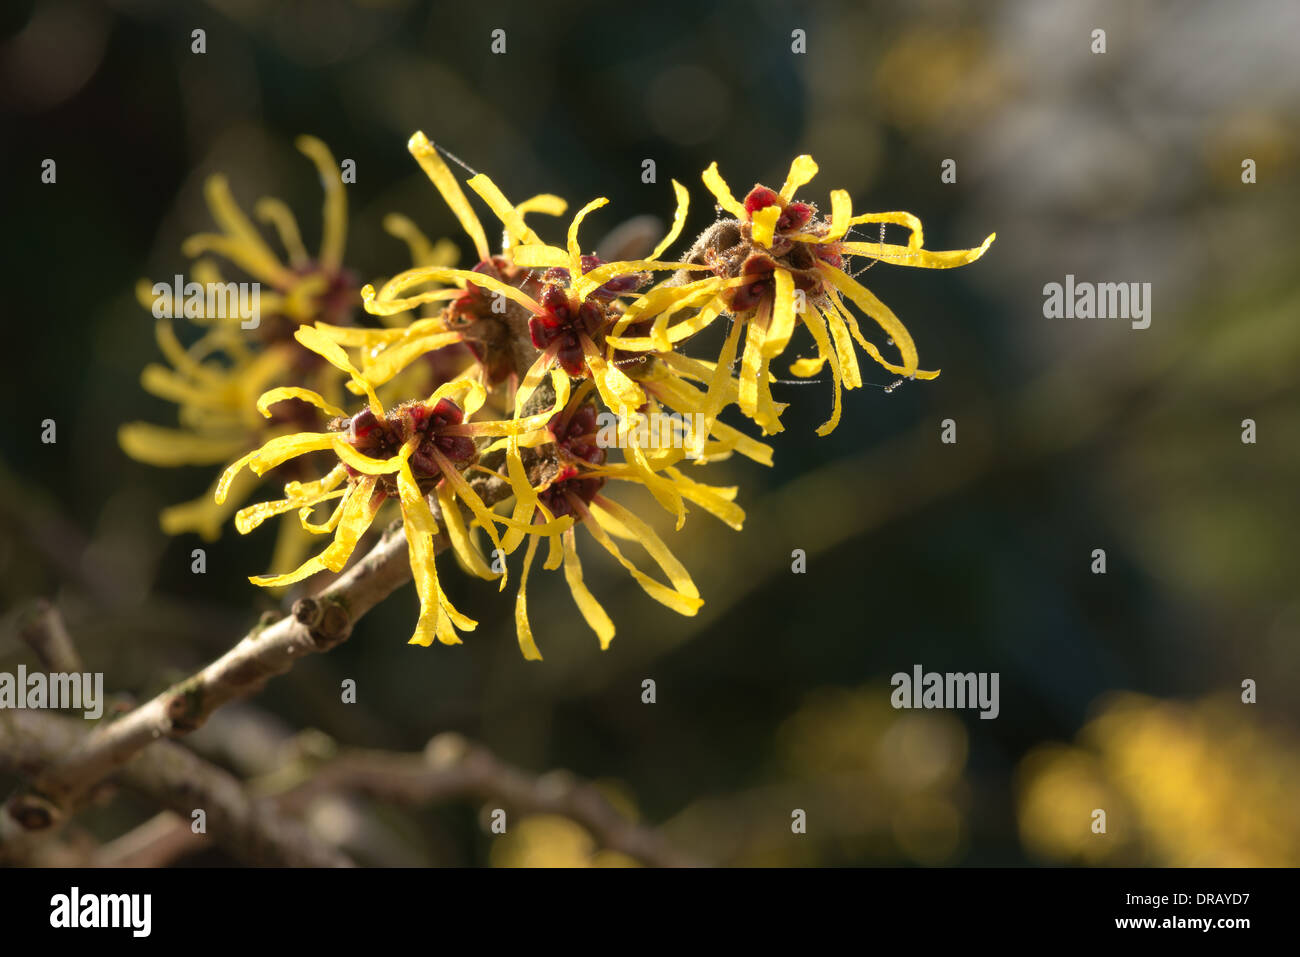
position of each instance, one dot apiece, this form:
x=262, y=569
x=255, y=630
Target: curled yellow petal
x=722, y=192
x=841, y=214
x=545, y=203
x=332, y=352
x=388, y=300
x=575, y=251
x=251, y=516
x=817, y=326
x=679, y=220
x=912, y=256
x=682, y=597
x=866, y=300
x=364, y=463
x=516, y=228
x=272, y=396
x=335, y=216
x=591, y=281
x=442, y=177
x=277, y=213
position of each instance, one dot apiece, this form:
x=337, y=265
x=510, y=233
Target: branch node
x=33, y=812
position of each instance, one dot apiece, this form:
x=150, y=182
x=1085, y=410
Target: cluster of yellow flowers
x=480, y=414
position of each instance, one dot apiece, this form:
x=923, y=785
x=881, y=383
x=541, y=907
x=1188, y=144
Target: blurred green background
x=1118, y=691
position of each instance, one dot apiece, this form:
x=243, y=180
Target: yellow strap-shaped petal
x=866, y=300
x=334, y=218
x=870, y=347
x=592, y=613
x=357, y=515
x=590, y=282
x=679, y=332
x=466, y=494
x=843, y=348
x=922, y=258
x=664, y=492
x=271, y=210
x=395, y=224
x=664, y=296
x=682, y=397
x=358, y=512
x=717, y=394
x=575, y=251
x=516, y=228
x=783, y=315
x=539, y=257
x=722, y=192
x=241, y=244
x=916, y=238
x=442, y=177
x=460, y=540
x=523, y=629
x=353, y=337
x=305, y=570
x=326, y=527
x=714, y=500
x=817, y=326
x=802, y=170
x=533, y=377
x=555, y=551
x=333, y=353
x=616, y=388
x=388, y=300
x=436, y=613
x=390, y=361
x=251, y=516
x=764, y=225
x=468, y=392
x=682, y=597
x=545, y=203
x=181, y=359
x=679, y=220
x=279, y=449
x=841, y=214
x=367, y=465
x=272, y=396
x=310, y=492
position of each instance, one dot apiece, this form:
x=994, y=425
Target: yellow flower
x=564, y=479
x=404, y=453
x=469, y=313
x=565, y=315
x=777, y=263
x=303, y=289
x=216, y=380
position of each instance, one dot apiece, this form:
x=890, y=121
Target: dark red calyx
x=575, y=438
x=794, y=216
x=758, y=271
x=565, y=320
x=760, y=197
x=475, y=302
